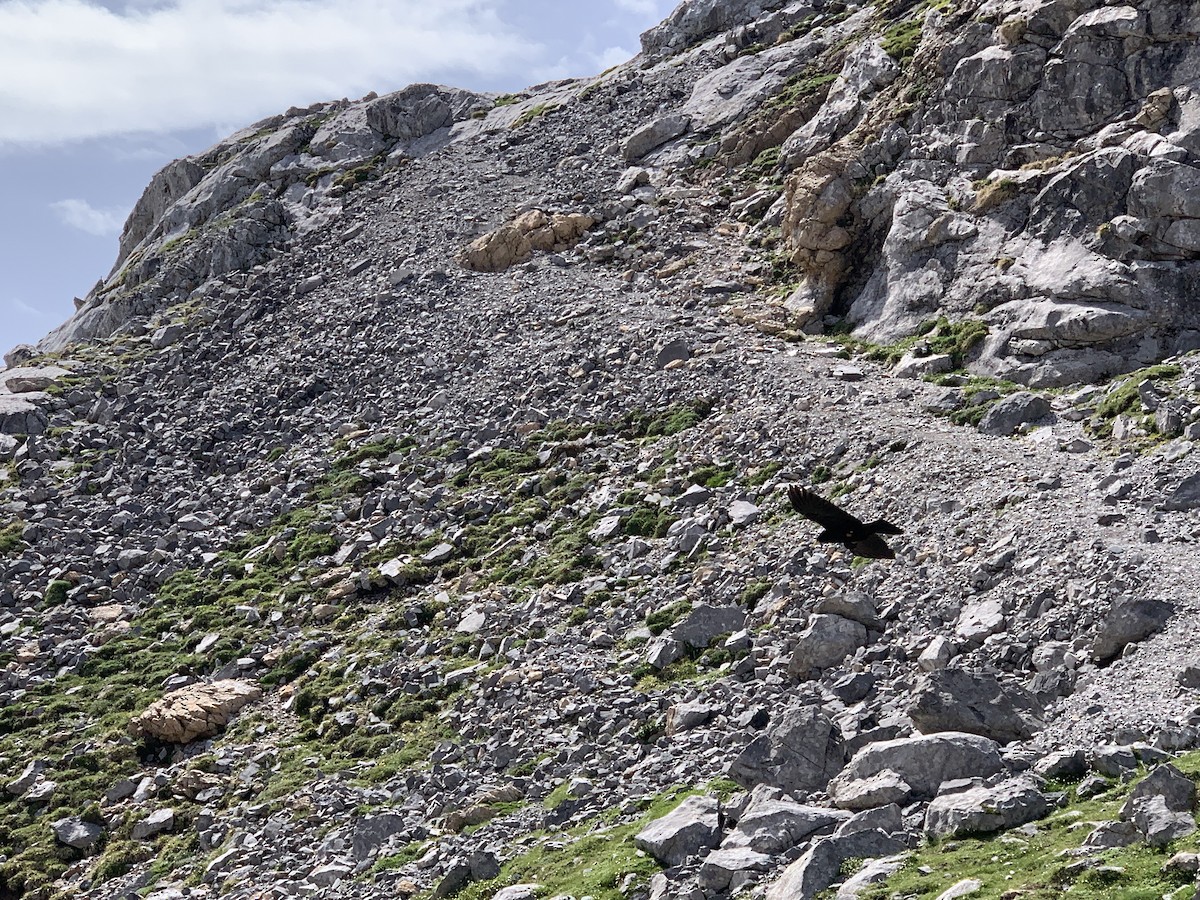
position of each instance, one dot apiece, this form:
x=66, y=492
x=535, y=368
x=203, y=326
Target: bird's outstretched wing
x=873, y=547
x=822, y=511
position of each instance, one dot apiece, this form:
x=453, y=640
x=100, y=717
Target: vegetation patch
x=989, y=193
x=1032, y=866
x=10, y=537
x=660, y=620
x=1122, y=396
x=598, y=859
x=534, y=112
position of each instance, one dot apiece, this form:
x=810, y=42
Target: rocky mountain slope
x=405, y=513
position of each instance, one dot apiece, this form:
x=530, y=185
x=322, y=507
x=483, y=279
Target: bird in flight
x=863, y=538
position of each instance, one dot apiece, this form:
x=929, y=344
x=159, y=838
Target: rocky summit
x=406, y=512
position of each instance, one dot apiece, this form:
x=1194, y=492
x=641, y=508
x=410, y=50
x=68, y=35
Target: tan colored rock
x=194, y=712
x=532, y=230
x=497, y=250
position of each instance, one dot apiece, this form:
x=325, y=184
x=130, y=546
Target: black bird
x=841, y=527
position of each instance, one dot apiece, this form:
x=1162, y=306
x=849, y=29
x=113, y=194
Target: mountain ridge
x=405, y=513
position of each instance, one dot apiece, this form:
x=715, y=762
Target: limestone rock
x=826, y=641
x=983, y=810
x=957, y=700
x=800, y=751
x=772, y=824
x=685, y=831
x=923, y=762
x=1130, y=619
x=1008, y=413
x=193, y=712
x=821, y=865
x=76, y=833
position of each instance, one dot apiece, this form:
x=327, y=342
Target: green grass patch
x=10, y=538
x=1033, y=866
x=593, y=860
x=534, y=112
x=660, y=620
x=1122, y=397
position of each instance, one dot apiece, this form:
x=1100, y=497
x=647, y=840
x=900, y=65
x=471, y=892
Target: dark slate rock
x=1129, y=620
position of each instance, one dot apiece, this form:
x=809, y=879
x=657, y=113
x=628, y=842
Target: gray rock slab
x=705, y=623
x=1185, y=495
x=688, y=829
x=826, y=641
x=653, y=135
x=157, y=822
x=821, y=866
x=923, y=762
x=19, y=416
x=1177, y=790
x=74, y=832
x=984, y=810
x=722, y=865
x=1009, y=413
x=872, y=872
x=774, y=825
x=1130, y=619
x=957, y=700
x=800, y=751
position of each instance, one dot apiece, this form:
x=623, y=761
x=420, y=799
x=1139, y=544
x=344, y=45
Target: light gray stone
x=923, y=762
x=1008, y=413
x=74, y=832
x=684, y=832
x=800, y=751
x=821, y=866
x=957, y=700
x=826, y=641
x=983, y=810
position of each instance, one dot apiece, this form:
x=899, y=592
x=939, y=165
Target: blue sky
x=96, y=97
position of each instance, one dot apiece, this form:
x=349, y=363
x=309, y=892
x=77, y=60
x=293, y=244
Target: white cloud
x=71, y=69
x=82, y=215
x=648, y=8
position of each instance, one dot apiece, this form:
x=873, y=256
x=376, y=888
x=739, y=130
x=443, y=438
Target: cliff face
x=1031, y=165
x=406, y=512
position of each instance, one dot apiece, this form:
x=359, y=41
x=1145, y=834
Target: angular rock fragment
x=983, y=810
x=800, y=751
x=1130, y=619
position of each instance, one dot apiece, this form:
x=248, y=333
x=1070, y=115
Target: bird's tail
x=831, y=537
x=879, y=526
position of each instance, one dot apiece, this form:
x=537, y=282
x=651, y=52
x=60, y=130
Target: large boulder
x=194, y=712
x=1130, y=619
x=821, y=866
x=1007, y=415
x=19, y=416
x=922, y=762
x=772, y=824
x=693, y=825
x=982, y=810
x=957, y=700
x=800, y=751
x=653, y=135
x=826, y=641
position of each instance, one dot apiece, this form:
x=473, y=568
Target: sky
x=96, y=97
